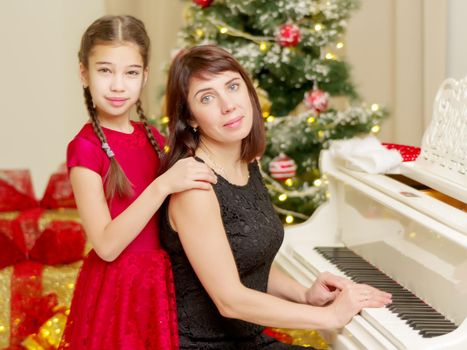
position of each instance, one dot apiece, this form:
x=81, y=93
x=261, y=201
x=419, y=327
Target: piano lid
x=442, y=163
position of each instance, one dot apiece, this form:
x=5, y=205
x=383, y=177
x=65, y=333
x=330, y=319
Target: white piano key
x=366, y=336
x=394, y=328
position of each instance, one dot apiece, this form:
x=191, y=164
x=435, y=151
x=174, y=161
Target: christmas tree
x=291, y=49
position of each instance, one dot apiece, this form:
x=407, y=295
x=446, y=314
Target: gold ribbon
x=5, y=295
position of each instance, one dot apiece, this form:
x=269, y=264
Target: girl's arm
x=110, y=237
x=206, y=246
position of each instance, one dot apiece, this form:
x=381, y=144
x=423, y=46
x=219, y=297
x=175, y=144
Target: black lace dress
x=255, y=234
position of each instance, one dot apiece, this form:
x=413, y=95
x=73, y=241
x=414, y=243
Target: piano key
x=411, y=312
x=391, y=326
x=423, y=316
x=423, y=329
x=419, y=314
x=434, y=323
x=432, y=333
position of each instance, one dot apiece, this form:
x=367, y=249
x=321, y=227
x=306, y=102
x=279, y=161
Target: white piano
x=403, y=233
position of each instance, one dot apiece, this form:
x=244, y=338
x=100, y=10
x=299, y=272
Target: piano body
x=403, y=233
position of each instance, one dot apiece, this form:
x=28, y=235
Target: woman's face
x=221, y=107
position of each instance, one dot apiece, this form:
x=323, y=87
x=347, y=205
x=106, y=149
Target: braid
x=116, y=182
x=149, y=134
x=93, y=115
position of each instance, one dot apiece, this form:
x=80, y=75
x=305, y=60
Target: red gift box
x=29, y=307
x=35, y=245
x=12, y=247
x=38, y=242
x=58, y=193
x=16, y=190
x=46, y=236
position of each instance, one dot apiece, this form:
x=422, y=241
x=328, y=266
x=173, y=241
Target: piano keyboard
x=414, y=312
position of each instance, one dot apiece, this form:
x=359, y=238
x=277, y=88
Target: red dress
x=128, y=303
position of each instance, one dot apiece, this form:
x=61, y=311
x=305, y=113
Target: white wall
x=41, y=103
x=370, y=50
x=398, y=51
x=456, y=44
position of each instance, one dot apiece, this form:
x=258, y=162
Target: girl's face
x=115, y=76
x=221, y=107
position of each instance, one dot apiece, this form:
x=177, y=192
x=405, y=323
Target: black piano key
x=406, y=305
x=432, y=327
x=417, y=312
x=437, y=327
x=424, y=316
x=407, y=309
x=416, y=303
x=400, y=298
x=404, y=312
x=438, y=323
x=432, y=334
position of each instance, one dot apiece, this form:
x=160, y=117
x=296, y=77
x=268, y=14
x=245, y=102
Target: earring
x=195, y=129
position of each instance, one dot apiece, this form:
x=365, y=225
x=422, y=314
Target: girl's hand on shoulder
x=187, y=174
x=352, y=299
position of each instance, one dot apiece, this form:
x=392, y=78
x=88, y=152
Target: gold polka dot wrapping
x=61, y=214
x=60, y=280
x=5, y=295
x=304, y=337
x=49, y=335
x=9, y=215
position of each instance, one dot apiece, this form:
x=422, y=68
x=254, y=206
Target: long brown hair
x=196, y=61
x=115, y=30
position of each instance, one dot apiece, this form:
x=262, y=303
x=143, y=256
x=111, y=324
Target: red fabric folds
x=126, y=293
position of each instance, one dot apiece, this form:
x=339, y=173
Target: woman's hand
x=352, y=299
x=187, y=174
x=325, y=289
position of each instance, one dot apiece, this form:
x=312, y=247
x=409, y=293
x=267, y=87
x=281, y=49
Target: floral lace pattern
x=255, y=234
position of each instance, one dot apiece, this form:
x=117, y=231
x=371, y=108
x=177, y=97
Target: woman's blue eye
x=234, y=86
x=206, y=99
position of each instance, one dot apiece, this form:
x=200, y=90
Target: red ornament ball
x=289, y=35
x=282, y=167
x=316, y=100
x=203, y=3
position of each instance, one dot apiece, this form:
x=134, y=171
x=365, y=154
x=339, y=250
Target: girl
x=225, y=286
x=124, y=296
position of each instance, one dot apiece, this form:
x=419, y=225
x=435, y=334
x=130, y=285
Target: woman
x=222, y=242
